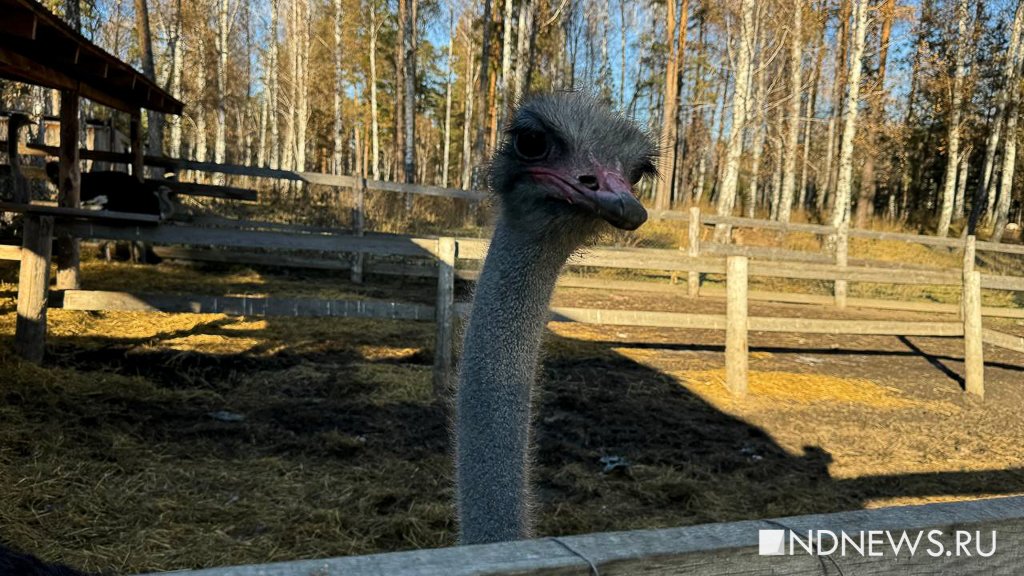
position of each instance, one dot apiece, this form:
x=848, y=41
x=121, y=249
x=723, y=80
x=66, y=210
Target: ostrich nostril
x=589, y=181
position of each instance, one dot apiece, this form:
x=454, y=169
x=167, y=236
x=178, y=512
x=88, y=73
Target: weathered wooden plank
x=726, y=549
x=1002, y=340
x=240, y=305
x=904, y=237
x=191, y=235
x=78, y=213
x=811, y=271
x=1014, y=283
x=444, y=342
x=33, y=287
x=638, y=318
x=851, y=327
x=10, y=252
x=974, y=359
x=254, y=258
x=764, y=253
x=1000, y=247
x=736, y=350
x=767, y=224
x=207, y=190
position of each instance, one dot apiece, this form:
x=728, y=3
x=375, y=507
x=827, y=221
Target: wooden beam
x=1003, y=340
x=240, y=305
x=192, y=235
x=135, y=138
x=10, y=252
x=726, y=549
x=444, y=341
x=79, y=213
x=67, y=250
x=206, y=190
x=854, y=327
x=33, y=287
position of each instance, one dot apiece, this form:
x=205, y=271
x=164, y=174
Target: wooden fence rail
x=990, y=535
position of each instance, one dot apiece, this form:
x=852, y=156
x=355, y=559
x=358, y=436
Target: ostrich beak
x=604, y=192
x=614, y=201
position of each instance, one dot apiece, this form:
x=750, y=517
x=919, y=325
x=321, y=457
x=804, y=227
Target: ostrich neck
x=499, y=366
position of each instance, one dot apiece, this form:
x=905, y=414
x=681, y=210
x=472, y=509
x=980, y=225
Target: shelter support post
x=67, y=250
x=33, y=287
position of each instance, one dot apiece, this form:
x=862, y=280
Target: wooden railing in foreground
x=990, y=532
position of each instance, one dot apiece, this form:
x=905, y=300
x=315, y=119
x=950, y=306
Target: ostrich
x=566, y=165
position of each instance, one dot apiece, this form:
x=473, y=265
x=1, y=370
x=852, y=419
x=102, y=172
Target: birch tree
x=981, y=194
x=338, y=132
x=155, y=120
x=177, y=49
x=222, y=73
x=953, y=137
x=374, y=120
x=741, y=71
x=793, y=113
x=1002, y=209
x=841, y=209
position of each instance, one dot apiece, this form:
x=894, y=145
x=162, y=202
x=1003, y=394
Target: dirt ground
x=156, y=442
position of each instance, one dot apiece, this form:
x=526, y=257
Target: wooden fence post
x=444, y=315
x=736, y=326
x=357, y=229
x=842, y=252
x=974, y=359
x=970, y=252
x=34, y=287
x=693, y=277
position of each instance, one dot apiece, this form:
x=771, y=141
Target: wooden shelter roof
x=37, y=47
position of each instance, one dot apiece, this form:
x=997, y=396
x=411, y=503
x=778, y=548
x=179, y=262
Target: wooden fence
x=990, y=533
x=40, y=227
x=737, y=263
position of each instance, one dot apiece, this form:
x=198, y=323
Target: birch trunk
x=1002, y=210
x=982, y=195
x=524, y=47
x=448, y=105
x=841, y=209
x=506, y=61
x=177, y=47
x=273, y=88
x=730, y=175
x=409, y=61
x=793, y=121
x=155, y=120
x=302, y=89
x=200, y=130
x=338, y=128
x=467, y=122
x=485, y=68
x=953, y=137
x=222, y=74
x=374, y=119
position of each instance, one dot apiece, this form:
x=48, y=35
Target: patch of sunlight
x=777, y=389
x=243, y=324
x=938, y=498
x=378, y=353
x=212, y=344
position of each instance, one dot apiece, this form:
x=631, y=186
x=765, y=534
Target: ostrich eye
x=531, y=145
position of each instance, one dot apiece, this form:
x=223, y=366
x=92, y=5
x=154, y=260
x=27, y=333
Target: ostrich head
x=568, y=163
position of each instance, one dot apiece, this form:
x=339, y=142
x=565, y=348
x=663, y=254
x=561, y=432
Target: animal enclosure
x=449, y=264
